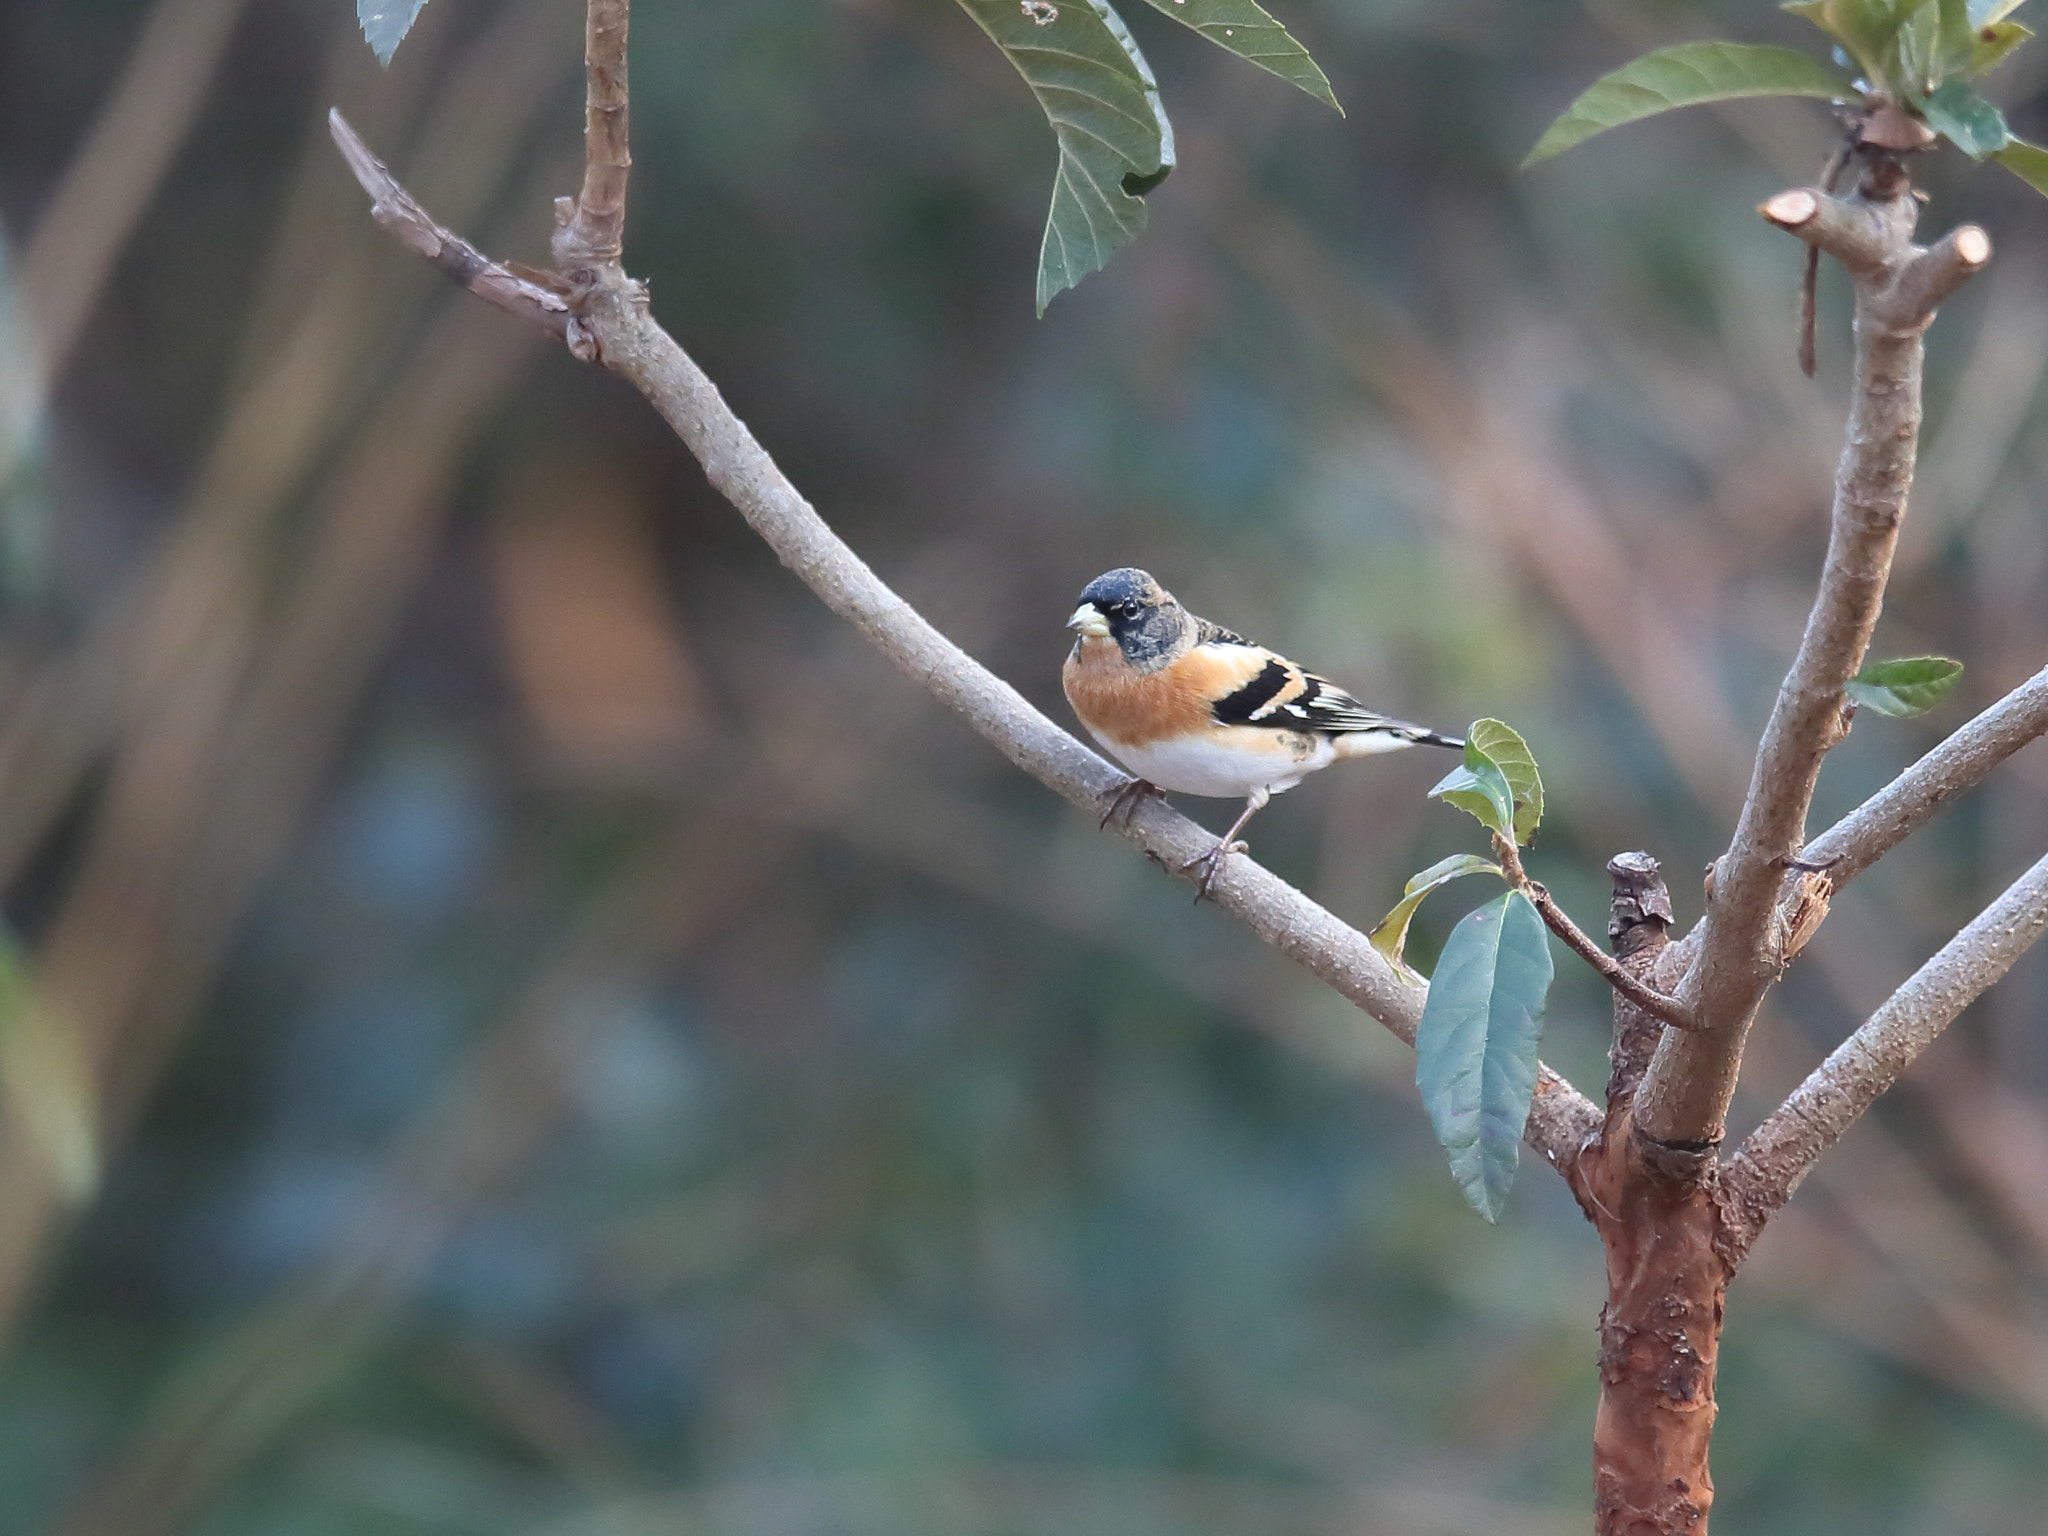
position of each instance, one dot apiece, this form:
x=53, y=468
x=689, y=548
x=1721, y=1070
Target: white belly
x=1230, y=767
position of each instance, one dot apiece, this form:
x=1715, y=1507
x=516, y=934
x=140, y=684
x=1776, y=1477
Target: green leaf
x=1255, y=37
x=1392, y=934
x=1965, y=119
x=1475, y=1050
x=385, y=23
x=1686, y=76
x=1115, y=143
x=1868, y=29
x=1918, y=50
x=47, y=1081
x=1958, y=38
x=1992, y=43
x=1480, y=790
x=2027, y=161
x=1909, y=686
x=1503, y=744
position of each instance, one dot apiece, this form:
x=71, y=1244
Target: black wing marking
x=1258, y=701
x=1283, y=697
x=1323, y=706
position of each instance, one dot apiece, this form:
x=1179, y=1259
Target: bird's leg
x=1212, y=861
x=1124, y=803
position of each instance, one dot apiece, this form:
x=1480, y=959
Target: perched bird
x=1188, y=706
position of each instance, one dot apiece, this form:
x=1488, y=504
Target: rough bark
x=1660, y=1335
x=1667, y=1272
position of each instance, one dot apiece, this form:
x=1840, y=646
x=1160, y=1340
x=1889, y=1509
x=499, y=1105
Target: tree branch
x=1778, y=1155
x=612, y=326
x=525, y=294
x=1959, y=763
x=1685, y=1094
x=1668, y=1010
x=590, y=228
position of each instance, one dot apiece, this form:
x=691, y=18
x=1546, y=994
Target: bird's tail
x=1433, y=739
x=1392, y=736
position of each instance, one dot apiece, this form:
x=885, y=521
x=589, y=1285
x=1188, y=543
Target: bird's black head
x=1129, y=607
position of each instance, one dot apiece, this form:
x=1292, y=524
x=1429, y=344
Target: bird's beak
x=1089, y=620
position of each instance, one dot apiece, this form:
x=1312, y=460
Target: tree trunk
x=1668, y=1267
x=1660, y=1333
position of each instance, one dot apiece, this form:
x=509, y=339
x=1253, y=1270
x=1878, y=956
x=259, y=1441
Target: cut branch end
x=1789, y=210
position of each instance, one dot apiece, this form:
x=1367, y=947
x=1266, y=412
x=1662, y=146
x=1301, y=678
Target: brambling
x=1188, y=706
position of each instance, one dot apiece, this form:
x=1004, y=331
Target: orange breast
x=1135, y=708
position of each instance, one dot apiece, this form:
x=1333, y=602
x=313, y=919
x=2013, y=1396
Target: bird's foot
x=1123, y=804
x=1211, y=862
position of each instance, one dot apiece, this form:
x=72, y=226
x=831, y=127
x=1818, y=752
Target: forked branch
x=1781, y=1151
x=1740, y=949
x=1960, y=762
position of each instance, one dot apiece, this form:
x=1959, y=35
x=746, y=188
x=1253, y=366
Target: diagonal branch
x=1666, y=1010
x=1778, y=1155
x=612, y=326
x=413, y=227
x=1959, y=763
x=1685, y=1094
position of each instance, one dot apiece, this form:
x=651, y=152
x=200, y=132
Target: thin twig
x=590, y=228
x=1685, y=1093
x=1668, y=1009
x=1647, y=998
x=1780, y=1153
x=396, y=212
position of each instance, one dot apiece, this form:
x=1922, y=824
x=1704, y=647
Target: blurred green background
x=584, y=1048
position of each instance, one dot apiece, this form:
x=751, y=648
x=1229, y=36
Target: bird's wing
x=1264, y=688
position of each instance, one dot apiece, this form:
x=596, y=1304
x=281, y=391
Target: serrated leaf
x=1908, y=686
x=2027, y=161
x=385, y=23
x=1687, y=76
x=1391, y=937
x=1251, y=34
x=47, y=1082
x=1479, y=789
x=1503, y=744
x=1868, y=29
x=1992, y=43
x=1115, y=143
x=1965, y=119
x=1475, y=1049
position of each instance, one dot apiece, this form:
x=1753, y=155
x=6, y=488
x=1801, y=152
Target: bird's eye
x=1122, y=610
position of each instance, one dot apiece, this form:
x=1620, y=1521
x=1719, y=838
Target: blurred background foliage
x=583, y=1047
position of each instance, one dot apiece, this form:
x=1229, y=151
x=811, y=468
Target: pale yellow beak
x=1089, y=620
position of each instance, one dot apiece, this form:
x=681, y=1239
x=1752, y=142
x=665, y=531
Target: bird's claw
x=1124, y=803
x=1212, y=861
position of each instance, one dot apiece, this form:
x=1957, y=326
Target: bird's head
x=1126, y=605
